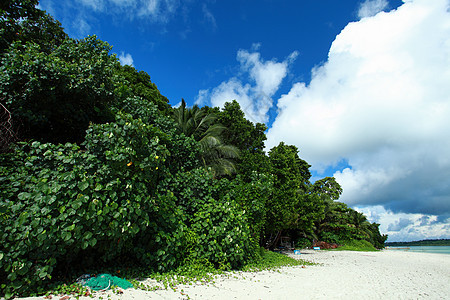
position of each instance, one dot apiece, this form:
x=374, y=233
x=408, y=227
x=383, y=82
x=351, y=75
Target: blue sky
x=360, y=87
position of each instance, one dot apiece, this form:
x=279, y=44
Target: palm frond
x=200, y=125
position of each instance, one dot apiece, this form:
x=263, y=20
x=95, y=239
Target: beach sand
x=386, y=274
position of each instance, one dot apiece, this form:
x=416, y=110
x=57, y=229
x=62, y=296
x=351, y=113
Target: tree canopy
x=21, y=20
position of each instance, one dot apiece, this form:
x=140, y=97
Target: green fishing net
x=105, y=281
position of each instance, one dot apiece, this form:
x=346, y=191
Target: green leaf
x=12, y=276
x=83, y=185
x=76, y=204
x=23, y=270
x=84, y=245
x=87, y=235
x=42, y=274
x=66, y=236
x=23, y=196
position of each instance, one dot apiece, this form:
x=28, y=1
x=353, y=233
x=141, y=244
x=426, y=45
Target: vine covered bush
x=218, y=227
x=60, y=202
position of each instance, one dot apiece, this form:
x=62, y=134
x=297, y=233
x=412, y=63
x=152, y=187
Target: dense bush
x=59, y=200
x=56, y=95
x=356, y=245
x=184, y=151
x=139, y=84
x=218, y=227
x=253, y=197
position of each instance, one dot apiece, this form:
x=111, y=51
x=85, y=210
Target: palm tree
x=361, y=223
x=199, y=124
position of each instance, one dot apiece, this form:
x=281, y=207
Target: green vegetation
x=99, y=172
x=356, y=245
x=431, y=242
x=271, y=261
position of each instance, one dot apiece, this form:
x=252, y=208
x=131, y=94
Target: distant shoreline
x=429, y=242
x=338, y=275
x=422, y=249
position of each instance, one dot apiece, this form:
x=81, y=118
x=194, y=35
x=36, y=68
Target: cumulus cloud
x=399, y=225
x=255, y=97
x=407, y=227
x=425, y=220
x=125, y=59
x=380, y=102
x=370, y=8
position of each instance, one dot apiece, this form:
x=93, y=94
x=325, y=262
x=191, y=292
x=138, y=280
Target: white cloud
x=152, y=10
x=97, y=5
x=380, y=102
x=370, y=8
x=267, y=75
x=158, y=10
x=255, y=97
x=126, y=59
x=209, y=17
x=400, y=224
x=49, y=7
x=407, y=227
x=82, y=25
x=81, y=17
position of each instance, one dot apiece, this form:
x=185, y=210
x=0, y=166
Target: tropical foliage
x=200, y=125
x=97, y=167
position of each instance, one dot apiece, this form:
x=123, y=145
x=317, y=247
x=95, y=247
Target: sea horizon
x=424, y=249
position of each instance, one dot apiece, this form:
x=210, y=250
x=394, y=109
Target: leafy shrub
x=223, y=235
x=330, y=237
x=269, y=260
x=253, y=197
x=303, y=243
x=218, y=229
x=60, y=203
x=184, y=151
x=356, y=245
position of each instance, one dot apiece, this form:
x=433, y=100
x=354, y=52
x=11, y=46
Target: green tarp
x=105, y=281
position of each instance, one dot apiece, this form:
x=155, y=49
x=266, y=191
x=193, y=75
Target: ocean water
x=425, y=249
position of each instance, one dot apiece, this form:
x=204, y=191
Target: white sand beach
x=387, y=274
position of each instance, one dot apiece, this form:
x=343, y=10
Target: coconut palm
x=200, y=125
x=361, y=223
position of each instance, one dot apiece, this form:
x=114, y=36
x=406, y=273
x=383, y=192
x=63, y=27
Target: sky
x=362, y=88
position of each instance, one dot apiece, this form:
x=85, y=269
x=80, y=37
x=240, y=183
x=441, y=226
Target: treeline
x=96, y=168
x=430, y=242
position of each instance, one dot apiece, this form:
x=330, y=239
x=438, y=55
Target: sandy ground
x=387, y=274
